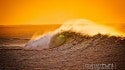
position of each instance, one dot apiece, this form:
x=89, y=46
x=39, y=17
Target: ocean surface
x=75, y=53
x=19, y=35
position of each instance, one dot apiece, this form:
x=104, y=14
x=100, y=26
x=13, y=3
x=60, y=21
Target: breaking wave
x=78, y=26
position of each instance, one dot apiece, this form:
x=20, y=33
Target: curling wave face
x=82, y=26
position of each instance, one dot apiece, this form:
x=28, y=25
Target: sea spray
x=88, y=27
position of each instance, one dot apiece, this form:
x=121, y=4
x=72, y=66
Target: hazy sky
x=58, y=11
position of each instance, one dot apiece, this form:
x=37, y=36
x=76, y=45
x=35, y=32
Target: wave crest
x=75, y=27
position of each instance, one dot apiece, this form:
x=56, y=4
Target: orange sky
x=20, y=12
